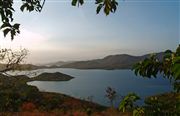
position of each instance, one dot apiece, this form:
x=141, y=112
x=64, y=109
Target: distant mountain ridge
x=56, y=64
x=120, y=61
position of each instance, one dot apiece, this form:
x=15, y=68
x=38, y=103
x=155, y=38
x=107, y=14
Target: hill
x=121, y=61
x=56, y=64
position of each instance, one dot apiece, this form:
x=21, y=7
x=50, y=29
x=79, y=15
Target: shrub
x=28, y=106
x=128, y=102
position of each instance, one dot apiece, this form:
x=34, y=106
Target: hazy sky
x=63, y=32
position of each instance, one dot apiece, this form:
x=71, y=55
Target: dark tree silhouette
x=111, y=95
x=7, y=10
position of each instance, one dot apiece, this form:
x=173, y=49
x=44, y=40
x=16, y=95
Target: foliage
x=89, y=111
x=9, y=101
x=28, y=106
x=51, y=103
x=28, y=93
x=12, y=97
x=128, y=102
x=169, y=66
x=165, y=104
x=79, y=2
x=14, y=92
x=177, y=86
x=7, y=10
x=109, y=6
x=111, y=95
x=138, y=111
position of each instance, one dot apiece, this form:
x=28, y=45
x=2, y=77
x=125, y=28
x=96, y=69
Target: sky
x=62, y=32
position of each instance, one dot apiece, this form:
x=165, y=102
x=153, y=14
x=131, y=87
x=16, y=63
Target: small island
x=57, y=76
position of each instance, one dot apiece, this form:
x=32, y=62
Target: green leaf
x=81, y=2
x=122, y=105
x=106, y=10
x=6, y=31
x=23, y=7
x=16, y=26
x=177, y=75
x=176, y=59
x=5, y=25
x=99, y=1
x=108, y=5
x=177, y=86
x=13, y=33
x=114, y=5
x=99, y=8
x=74, y=2
x=128, y=101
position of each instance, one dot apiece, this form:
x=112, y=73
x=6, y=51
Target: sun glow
x=27, y=39
x=39, y=46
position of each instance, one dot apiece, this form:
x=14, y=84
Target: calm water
x=94, y=83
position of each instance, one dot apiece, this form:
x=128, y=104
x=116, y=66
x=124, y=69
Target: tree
x=128, y=101
x=7, y=10
x=11, y=60
x=111, y=95
x=169, y=66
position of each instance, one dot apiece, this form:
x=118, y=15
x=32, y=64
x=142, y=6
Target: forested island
x=57, y=76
